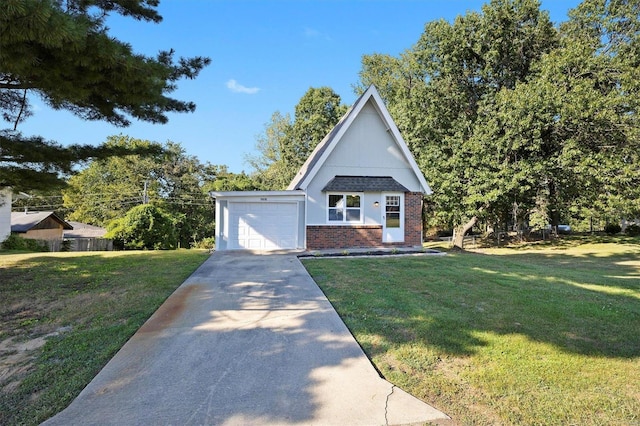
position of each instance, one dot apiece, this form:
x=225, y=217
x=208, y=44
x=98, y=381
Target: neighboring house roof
x=22, y=222
x=364, y=184
x=84, y=230
x=322, y=151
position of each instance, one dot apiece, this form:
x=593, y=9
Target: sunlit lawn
x=546, y=335
x=88, y=304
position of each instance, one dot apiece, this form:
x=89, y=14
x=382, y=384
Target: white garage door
x=263, y=226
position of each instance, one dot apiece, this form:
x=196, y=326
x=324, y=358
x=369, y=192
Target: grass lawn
x=540, y=335
x=64, y=315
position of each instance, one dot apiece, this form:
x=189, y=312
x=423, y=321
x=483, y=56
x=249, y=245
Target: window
x=392, y=211
x=344, y=208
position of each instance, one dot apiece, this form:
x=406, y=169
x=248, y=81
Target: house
x=360, y=187
x=85, y=237
x=46, y=226
x=5, y=213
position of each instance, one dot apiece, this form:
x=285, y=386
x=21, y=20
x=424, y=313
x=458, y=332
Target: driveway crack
x=386, y=405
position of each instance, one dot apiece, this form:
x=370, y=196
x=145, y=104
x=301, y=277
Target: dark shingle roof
x=24, y=221
x=364, y=184
x=84, y=230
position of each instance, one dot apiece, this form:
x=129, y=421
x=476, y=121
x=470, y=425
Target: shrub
x=612, y=228
x=208, y=243
x=633, y=230
x=14, y=242
x=143, y=227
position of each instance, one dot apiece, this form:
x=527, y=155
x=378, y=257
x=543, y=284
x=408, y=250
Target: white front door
x=393, y=218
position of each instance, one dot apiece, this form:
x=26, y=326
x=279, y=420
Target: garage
x=259, y=220
x=262, y=226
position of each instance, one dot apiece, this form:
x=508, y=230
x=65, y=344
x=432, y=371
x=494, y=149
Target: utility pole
x=145, y=196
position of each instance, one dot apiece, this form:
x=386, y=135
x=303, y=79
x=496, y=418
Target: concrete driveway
x=248, y=339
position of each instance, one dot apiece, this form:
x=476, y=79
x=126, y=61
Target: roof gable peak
x=322, y=151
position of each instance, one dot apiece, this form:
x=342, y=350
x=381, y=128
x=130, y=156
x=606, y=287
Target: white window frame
x=344, y=220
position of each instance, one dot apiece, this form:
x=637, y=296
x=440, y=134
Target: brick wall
x=413, y=218
x=321, y=237
x=330, y=236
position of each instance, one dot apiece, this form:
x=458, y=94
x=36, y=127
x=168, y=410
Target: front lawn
x=546, y=335
x=64, y=315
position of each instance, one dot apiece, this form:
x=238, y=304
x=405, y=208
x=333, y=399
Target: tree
x=573, y=125
x=271, y=171
x=144, y=227
x=285, y=146
x=317, y=112
x=511, y=119
x=61, y=52
x=107, y=189
x=183, y=194
x=224, y=180
x=439, y=90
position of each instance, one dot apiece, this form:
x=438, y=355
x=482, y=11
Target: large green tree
x=568, y=135
x=271, y=170
x=224, y=180
x=61, y=52
x=107, y=189
x=439, y=88
x=317, y=112
x=512, y=118
x=286, y=145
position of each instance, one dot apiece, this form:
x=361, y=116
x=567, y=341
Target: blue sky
x=265, y=56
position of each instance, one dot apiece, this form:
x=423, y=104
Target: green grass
x=88, y=304
x=533, y=335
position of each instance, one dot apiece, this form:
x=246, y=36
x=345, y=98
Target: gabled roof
x=364, y=184
x=84, y=230
x=322, y=151
x=24, y=221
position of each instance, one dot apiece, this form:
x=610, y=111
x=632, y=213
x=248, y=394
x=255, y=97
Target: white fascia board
x=395, y=132
x=336, y=139
x=378, y=103
x=296, y=195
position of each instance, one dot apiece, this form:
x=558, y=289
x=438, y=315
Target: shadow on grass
x=585, y=303
x=88, y=304
x=247, y=339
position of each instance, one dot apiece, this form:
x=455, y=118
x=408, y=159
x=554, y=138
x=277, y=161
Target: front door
x=393, y=218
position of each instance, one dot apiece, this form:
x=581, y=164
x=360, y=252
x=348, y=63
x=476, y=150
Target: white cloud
x=310, y=32
x=313, y=33
x=234, y=86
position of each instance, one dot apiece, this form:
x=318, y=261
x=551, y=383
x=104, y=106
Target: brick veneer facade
x=338, y=237
x=413, y=218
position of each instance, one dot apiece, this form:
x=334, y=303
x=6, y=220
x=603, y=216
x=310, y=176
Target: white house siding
x=5, y=213
x=366, y=149
x=260, y=220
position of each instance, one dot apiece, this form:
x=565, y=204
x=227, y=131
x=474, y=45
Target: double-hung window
x=344, y=208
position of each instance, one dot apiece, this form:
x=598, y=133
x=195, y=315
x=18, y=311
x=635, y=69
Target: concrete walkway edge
x=247, y=339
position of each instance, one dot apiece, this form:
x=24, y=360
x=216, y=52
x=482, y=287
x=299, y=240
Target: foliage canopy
x=513, y=120
x=143, y=227
x=62, y=53
x=178, y=183
x=286, y=144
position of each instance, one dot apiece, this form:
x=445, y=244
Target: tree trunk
x=460, y=231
